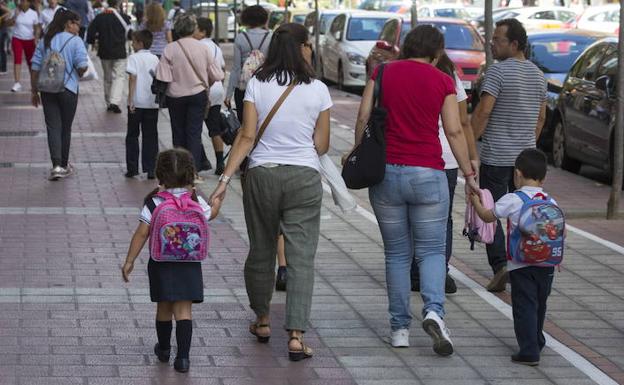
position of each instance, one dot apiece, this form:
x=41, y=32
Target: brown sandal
x=298, y=355
x=261, y=338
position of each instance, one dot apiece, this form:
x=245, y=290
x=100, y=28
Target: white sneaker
x=56, y=173
x=16, y=87
x=67, y=171
x=400, y=338
x=3, y=73
x=435, y=327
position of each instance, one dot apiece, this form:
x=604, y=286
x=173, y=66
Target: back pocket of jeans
x=425, y=188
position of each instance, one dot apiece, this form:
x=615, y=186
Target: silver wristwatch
x=224, y=178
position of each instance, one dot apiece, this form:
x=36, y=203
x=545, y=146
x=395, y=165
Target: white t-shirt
x=217, y=92
x=140, y=64
x=509, y=206
x=25, y=24
x=146, y=215
x=288, y=139
x=449, y=159
x=47, y=15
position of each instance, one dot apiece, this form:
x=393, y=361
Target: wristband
x=225, y=179
x=473, y=173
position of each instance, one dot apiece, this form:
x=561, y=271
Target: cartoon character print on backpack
x=178, y=231
x=538, y=237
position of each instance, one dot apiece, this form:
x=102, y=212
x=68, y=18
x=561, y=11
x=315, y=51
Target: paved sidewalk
x=67, y=318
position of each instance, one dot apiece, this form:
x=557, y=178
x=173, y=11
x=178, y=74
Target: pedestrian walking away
x=451, y=169
x=530, y=283
x=508, y=118
x=216, y=97
x=81, y=7
x=5, y=16
x=26, y=31
x=286, y=128
x=46, y=16
x=174, y=286
x=111, y=29
x=255, y=39
x=59, y=108
x=159, y=26
x=411, y=203
x=142, y=107
x=187, y=67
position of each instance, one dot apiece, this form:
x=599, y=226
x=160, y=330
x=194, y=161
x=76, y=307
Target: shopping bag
x=340, y=193
x=91, y=73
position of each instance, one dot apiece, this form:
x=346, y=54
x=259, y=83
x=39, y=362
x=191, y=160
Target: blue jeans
x=411, y=205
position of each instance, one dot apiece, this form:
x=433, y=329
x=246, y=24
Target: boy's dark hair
x=424, y=41
x=532, y=163
x=204, y=24
x=143, y=36
x=515, y=32
x=254, y=16
x=176, y=3
x=174, y=168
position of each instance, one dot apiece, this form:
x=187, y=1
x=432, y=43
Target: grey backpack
x=52, y=74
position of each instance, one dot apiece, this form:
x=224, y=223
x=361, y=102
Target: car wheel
x=560, y=158
x=341, y=85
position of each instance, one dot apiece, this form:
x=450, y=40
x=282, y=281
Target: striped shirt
x=520, y=89
x=159, y=38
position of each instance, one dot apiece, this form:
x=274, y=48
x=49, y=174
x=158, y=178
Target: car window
x=337, y=26
x=389, y=32
x=364, y=28
x=602, y=16
x=456, y=13
x=424, y=12
x=325, y=22
x=298, y=19
x=586, y=66
x=614, y=17
x=609, y=64
x=565, y=16
x=544, y=15
x=556, y=55
x=460, y=37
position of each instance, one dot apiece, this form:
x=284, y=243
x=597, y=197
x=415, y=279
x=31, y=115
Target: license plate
x=467, y=84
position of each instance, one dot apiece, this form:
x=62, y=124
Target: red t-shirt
x=413, y=93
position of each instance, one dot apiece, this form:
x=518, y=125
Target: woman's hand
x=35, y=99
x=471, y=187
x=126, y=270
x=218, y=194
x=228, y=104
x=344, y=158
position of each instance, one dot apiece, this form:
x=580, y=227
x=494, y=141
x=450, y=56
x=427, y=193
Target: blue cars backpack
x=538, y=237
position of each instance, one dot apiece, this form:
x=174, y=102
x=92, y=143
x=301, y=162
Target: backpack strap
x=251, y=47
x=263, y=39
x=522, y=195
x=151, y=206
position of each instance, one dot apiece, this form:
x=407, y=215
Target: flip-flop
x=261, y=338
x=298, y=355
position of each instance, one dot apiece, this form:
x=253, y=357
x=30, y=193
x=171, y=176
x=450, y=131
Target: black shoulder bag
x=366, y=164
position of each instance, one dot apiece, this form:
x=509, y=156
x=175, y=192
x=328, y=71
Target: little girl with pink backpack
x=175, y=220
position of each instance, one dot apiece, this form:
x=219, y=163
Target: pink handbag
x=475, y=229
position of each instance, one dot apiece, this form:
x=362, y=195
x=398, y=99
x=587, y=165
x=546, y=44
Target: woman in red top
x=411, y=203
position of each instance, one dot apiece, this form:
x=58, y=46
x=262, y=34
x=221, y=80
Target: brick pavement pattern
x=67, y=318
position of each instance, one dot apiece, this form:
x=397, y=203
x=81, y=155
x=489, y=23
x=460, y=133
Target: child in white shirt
x=530, y=284
x=142, y=107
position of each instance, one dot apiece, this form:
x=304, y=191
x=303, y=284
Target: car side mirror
x=554, y=86
x=604, y=83
x=383, y=45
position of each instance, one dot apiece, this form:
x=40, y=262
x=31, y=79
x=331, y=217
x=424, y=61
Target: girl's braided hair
x=174, y=168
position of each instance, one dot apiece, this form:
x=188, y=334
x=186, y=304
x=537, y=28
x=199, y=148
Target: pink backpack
x=476, y=229
x=178, y=231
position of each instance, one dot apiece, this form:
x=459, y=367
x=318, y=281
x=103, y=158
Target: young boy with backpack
x=174, y=219
x=142, y=107
x=536, y=230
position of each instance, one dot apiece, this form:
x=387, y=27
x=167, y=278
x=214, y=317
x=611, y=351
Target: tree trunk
x=414, y=14
x=489, y=25
x=317, y=36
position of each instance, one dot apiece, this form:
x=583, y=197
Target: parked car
x=464, y=45
x=395, y=6
x=348, y=41
x=452, y=11
x=276, y=18
x=602, y=19
x=497, y=14
x=554, y=52
x=326, y=17
x=587, y=106
x=206, y=9
x=544, y=17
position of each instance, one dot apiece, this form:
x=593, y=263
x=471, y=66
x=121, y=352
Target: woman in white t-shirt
x=445, y=65
x=25, y=32
x=282, y=185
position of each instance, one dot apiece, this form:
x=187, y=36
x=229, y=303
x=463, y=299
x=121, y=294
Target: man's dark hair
x=254, y=16
x=112, y=3
x=515, y=32
x=424, y=41
x=204, y=24
x=144, y=36
x=532, y=163
x=176, y=3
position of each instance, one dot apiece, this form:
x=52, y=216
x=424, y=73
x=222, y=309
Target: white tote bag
x=340, y=193
x=91, y=73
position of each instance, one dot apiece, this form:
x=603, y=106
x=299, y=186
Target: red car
x=463, y=44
